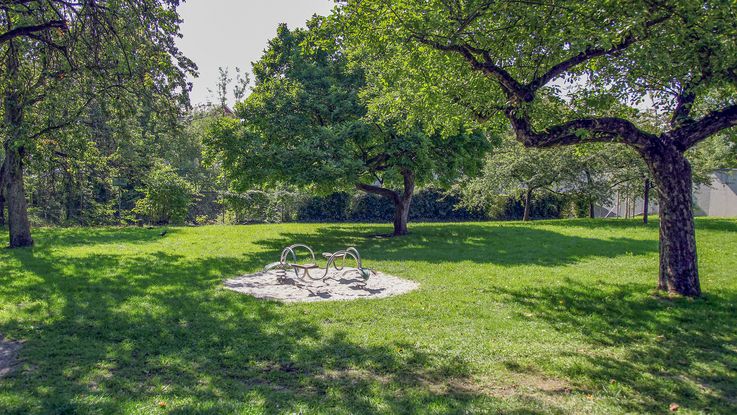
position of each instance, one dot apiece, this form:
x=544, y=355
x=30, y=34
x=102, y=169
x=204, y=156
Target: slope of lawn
x=547, y=317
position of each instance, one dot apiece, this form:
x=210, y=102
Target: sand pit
x=336, y=287
x=8, y=355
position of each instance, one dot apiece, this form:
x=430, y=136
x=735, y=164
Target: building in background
x=718, y=199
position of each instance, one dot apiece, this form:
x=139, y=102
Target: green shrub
x=167, y=197
x=330, y=208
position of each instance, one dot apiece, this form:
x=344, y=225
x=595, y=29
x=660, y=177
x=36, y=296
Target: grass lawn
x=548, y=317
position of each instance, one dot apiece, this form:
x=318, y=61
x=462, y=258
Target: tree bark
x=2, y=194
x=2, y=208
x=401, y=201
x=18, y=223
x=678, y=261
x=528, y=199
x=590, y=182
x=646, y=202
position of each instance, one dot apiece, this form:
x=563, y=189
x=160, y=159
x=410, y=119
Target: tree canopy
x=304, y=124
x=70, y=68
x=495, y=60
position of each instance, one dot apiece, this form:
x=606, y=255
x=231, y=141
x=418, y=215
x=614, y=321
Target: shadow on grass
x=159, y=329
x=504, y=244
x=672, y=350
x=108, y=333
x=714, y=224
x=74, y=236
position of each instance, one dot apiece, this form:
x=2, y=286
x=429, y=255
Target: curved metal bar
x=357, y=256
x=288, y=250
x=283, y=266
x=332, y=261
x=292, y=248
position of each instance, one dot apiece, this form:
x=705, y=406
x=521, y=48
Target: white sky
x=232, y=33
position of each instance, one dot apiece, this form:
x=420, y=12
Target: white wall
x=720, y=198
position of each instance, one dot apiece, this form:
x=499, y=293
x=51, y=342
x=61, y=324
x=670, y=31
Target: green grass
x=548, y=317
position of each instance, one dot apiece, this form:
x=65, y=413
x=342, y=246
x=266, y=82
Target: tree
x=304, y=124
x=512, y=170
x=167, y=196
x=61, y=57
x=505, y=58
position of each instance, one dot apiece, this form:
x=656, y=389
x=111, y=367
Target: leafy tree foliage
x=167, y=196
x=69, y=70
x=496, y=60
x=304, y=124
x=513, y=171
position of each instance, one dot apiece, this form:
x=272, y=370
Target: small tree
x=167, y=197
x=512, y=170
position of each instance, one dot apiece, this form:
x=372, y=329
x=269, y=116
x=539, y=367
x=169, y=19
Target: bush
x=330, y=208
x=543, y=206
x=258, y=206
x=366, y=207
x=427, y=205
x=167, y=197
x=434, y=205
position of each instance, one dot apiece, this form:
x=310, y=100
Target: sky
x=232, y=33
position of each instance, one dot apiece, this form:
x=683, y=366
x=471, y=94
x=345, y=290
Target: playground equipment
x=335, y=259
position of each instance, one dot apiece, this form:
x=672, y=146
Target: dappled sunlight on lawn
x=549, y=317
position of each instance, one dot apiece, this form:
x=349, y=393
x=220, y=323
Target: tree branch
x=409, y=183
x=507, y=82
x=28, y=30
x=388, y=193
x=689, y=134
x=584, y=130
x=588, y=54
x=682, y=112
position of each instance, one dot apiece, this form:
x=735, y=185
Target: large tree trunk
x=528, y=199
x=2, y=194
x=402, y=204
x=2, y=207
x=646, y=202
x=18, y=224
x=401, y=201
x=678, y=262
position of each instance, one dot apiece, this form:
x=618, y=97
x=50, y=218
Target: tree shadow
x=75, y=236
x=716, y=224
x=670, y=350
x=109, y=333
x=502, y=244
x=159, y=329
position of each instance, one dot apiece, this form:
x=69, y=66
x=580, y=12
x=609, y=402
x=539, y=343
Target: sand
x=337, y=286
